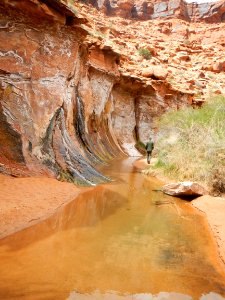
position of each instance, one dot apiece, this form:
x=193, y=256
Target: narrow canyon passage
x=114, y=241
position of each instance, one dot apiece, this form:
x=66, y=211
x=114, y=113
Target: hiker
x=149, y=147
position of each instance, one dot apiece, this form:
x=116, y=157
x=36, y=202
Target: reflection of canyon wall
x=148, y=9
x=64, y=107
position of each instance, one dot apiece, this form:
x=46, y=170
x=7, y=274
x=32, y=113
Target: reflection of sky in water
x=201, y=1
x=161, y=296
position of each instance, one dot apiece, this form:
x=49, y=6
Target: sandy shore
x=213, y=209
x=26, y=201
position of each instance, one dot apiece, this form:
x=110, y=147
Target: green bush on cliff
x=145, y=53
x=191, y=144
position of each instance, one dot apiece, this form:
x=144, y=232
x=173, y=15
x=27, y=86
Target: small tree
x=145, y=53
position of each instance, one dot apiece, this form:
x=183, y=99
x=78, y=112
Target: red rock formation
x=148, y=10
x=73, y=92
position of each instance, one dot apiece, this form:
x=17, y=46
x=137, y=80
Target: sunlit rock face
x=64, y=106
x=148, y=10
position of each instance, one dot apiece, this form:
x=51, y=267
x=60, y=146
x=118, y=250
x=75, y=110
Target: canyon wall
x=65, y=108
x=148, y=9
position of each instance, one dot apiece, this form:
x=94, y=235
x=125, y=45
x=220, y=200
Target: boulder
x=147, y=72
x=157, y=72
x=160, y=72
x=184, y=189
x=183, y=55
x=219, y=66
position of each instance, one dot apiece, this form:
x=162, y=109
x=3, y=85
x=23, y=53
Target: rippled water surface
x=123, y=240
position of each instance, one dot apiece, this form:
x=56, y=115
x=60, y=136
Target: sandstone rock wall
x=64, y=106
x=147, y=10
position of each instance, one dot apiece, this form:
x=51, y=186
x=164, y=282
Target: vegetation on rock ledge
x=145, y=53
x=191, y=144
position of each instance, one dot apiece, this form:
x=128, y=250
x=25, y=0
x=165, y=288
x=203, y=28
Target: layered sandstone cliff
x=149, y=10
x=74, y=93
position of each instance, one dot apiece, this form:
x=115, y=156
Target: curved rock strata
x=64, y=105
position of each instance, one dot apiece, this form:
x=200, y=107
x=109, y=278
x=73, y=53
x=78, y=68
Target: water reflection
x=114, y=296
x=88, y=209
x=144, y=296
x=124, y=237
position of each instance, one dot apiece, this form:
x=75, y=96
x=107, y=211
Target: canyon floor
x=27, y=201
x=120, y=230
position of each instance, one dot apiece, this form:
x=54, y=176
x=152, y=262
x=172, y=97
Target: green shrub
x=145, y=53
x=191, y=144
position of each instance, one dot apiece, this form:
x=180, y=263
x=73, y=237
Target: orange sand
x=214, y=208
x=26, y=201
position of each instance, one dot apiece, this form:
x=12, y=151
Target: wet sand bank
x=27, y=201
x=214, y=208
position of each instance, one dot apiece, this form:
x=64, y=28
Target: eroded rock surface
x=148, y=10
x=65, y=107
x=75, y=92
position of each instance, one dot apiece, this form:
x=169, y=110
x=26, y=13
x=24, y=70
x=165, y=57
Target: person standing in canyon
x=149, y=148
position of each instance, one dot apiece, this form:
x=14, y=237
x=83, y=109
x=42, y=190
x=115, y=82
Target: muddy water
x=123, y=240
